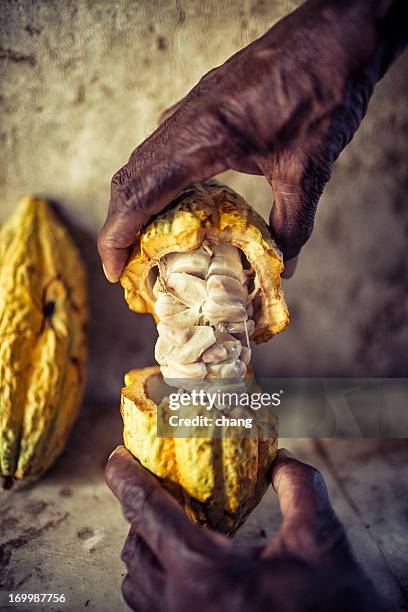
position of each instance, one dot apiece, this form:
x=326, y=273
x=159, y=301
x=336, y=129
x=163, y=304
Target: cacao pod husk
x=217, y=214
x=217, y=480
x=43, y=352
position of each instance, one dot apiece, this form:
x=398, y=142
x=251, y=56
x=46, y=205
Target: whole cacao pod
x=43, y=349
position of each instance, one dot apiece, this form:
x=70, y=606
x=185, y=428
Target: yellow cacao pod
x=43, y=349
x=215, y=213
x=218, y=481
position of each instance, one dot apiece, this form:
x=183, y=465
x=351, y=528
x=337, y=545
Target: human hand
x=284, y=106
x=174, y=565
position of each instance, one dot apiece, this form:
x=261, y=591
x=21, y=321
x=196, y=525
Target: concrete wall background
x=83, y=82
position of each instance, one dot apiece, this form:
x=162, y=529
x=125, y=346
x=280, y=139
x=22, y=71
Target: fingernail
x=112, y=453
x=290, y=267
x=283, y=452
x=109, y=277
x=120, y=446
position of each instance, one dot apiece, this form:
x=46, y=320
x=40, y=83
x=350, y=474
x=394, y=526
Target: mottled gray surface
x=65, y=533
x=82, y=83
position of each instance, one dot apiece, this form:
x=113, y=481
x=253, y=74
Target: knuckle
x=107, y=241
x=129, y=548
x=209, y=112
x=124, y=191
x=133, y=502
x=306, y=472
x=231, y=116
x=135, y=499
x=128, y=591
x=125, y=197
x=205, y=127
x=121, y=177
x=208, y=77
x=126, y=554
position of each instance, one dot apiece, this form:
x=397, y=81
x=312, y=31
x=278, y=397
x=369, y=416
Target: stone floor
x=65, y=533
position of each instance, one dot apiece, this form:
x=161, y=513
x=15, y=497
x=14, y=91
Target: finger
x=145, y=574
x=133, y=201
x=290, y=268
x=135, y=596
x=310, y=526
x=137, y=555
x=295, y=200
x=184, y=150
x=157, y=517
x=291, y=220
x=114, y=243
x=300, y=488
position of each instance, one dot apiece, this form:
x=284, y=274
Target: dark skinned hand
x=285, y=106
x=176, y=566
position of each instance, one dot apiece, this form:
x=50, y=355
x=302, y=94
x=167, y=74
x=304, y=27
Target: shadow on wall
x=119, y=339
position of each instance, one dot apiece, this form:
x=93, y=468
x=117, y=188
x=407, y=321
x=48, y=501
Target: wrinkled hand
x=176, y=566
x=285, y=107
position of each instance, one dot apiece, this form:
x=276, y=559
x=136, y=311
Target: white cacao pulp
x=205, y=312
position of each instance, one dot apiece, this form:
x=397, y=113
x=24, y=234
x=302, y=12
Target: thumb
x=155, y=515
x=292, y=218
x=297, y=191
x=311, y=529
x=301, y=490
x=185, y=149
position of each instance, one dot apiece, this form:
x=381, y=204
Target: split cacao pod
x=217, y=481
